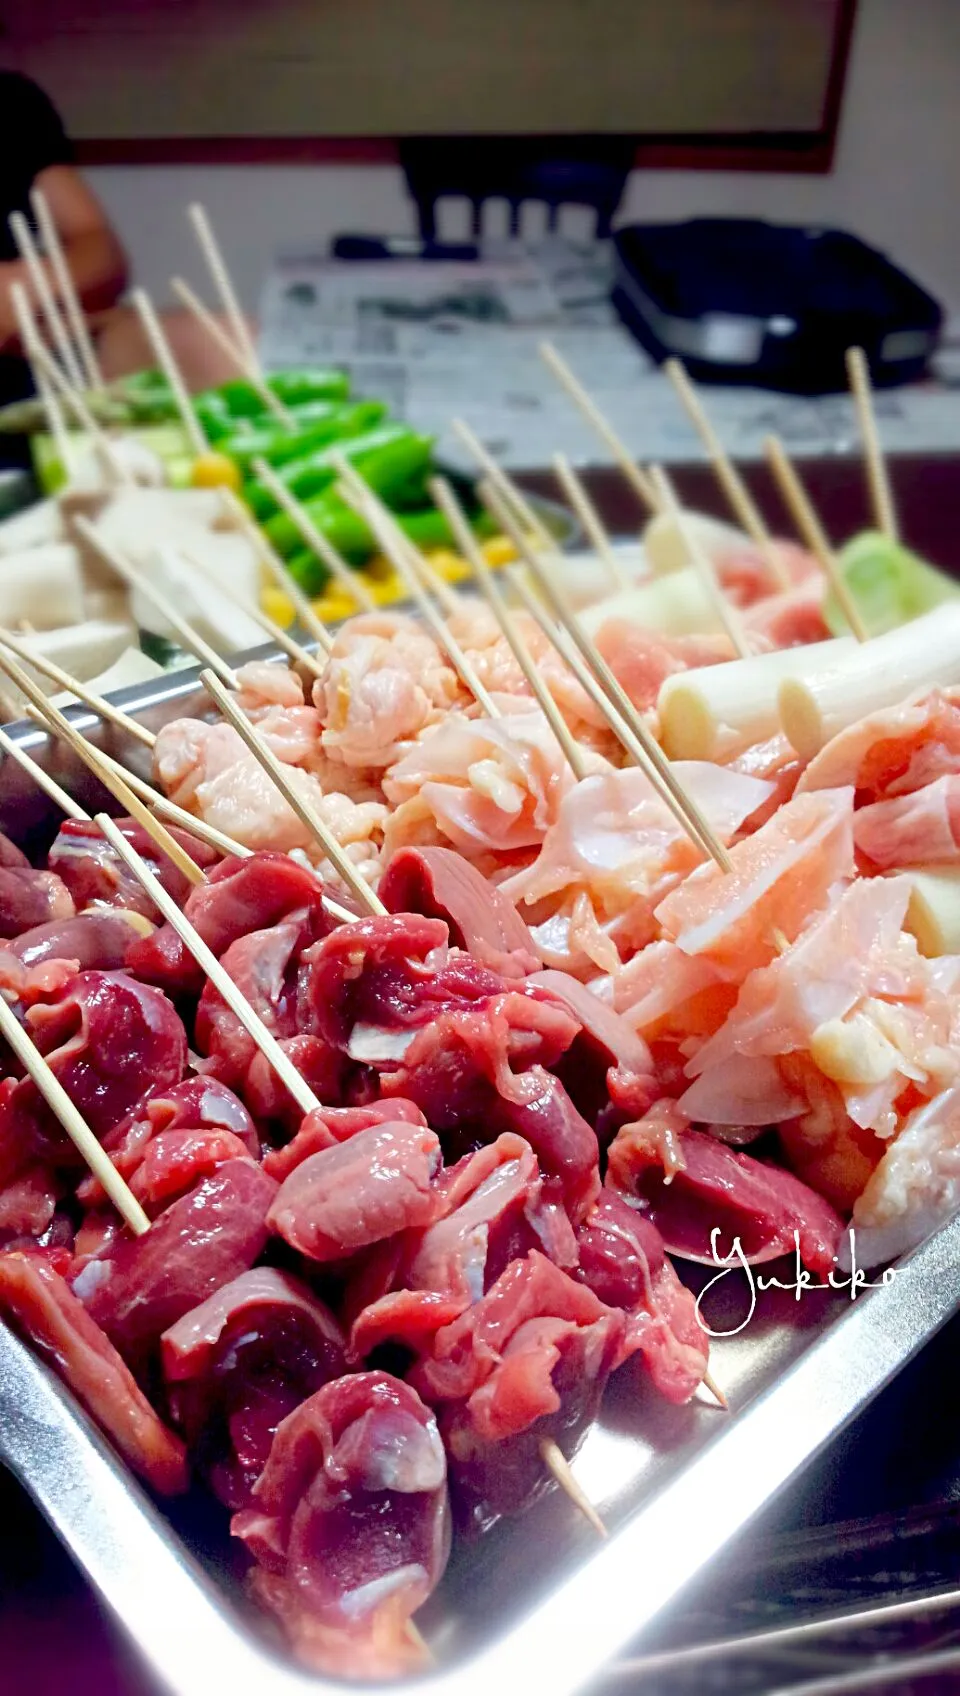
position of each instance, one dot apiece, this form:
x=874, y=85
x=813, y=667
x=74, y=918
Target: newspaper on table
x=439, y=340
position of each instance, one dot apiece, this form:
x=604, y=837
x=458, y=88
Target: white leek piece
x=666, y=549
x=42, y=587
x=715, y=711
x=133, y=666
x=881, y=673
x=679, y=604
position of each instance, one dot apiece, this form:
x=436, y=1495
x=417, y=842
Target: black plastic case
x=740, y=300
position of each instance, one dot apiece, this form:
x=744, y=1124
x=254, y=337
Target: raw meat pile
x=538, y=1073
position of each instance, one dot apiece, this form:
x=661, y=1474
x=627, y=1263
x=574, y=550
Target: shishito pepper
x=385, y=465
x=279, y=446
x=312, y=473
x=294, y=387
x=353, y=539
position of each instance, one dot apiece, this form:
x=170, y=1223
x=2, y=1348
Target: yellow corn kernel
x=498, y=550
x=277, y=605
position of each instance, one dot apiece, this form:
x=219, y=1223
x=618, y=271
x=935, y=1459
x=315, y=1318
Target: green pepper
x=383, y=456
x=214, y=416
x=280, y=447
x=296, y=386
x=386, y=459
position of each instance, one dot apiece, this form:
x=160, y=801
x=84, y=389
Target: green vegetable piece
x=890, y=584
x=294, y=387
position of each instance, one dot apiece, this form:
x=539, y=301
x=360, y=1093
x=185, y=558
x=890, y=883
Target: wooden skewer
x=702, y=563
x=446, y=593
x=244, y=365
x=290, y=647
x=304, y=811
x=807, y=521
x=190, y=638
x=27, y=249
x=76, y=316
x=216, y=265
x=741, y=501
x=209, y=964
x=881, y=495
x=447, y=501
x=590, y=518
x=554, y=1458
x=72, y=1121
x=97, y=703
x=654, y=761
x=357, y=495
x=42, y=779
x=103, y=769
x=74, y=401
x=705, y=840
x=50, y=402
x=397, y=545
x=163, y=354
x=348, y=580
x=515, y=498
x=710, y=1383
x=638, y=480
x=310, y=621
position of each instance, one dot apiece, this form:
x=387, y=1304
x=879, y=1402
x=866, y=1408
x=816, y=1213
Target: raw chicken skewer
x=304, y=811
x=448, y=504
x=138, y=580
x=46, y=300
x=89, y=697
x=217, y=334
x=349, y=581
x=72, y=1121
x=514, y=497
x=729, y=478
x=590, y=518
x=638, y=480
x=73, y=307
x=808, y=523
x=278, y=571
x=42, y=779
x=359, y=497
x=163, y=354
x=701, y=562
x=682, y=805
x=881, y=493
x=110, y=778
x=207, y=961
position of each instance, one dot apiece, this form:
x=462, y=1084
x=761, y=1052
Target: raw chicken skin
x=385, y=683
x=892, y=752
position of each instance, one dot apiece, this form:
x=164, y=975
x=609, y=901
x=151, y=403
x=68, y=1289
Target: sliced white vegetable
x=133, y=666
x=715, y=711
x=82, y=649
x=145, y=467
x=32, y=528
x=199, y=599
x=666, y=550
x=933, y=912
x=583, y=576
x=139, y=521
x=676, y=605
x=921, y=655
x=42, y=587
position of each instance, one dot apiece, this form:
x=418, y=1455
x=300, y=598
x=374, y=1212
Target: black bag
x=743, y=301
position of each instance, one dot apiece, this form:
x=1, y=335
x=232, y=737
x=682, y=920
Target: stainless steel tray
x=539, y=1603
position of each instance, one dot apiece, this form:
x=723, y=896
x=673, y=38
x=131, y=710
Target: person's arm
x=97, y=262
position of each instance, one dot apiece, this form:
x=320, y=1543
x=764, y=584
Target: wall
x=894, y=179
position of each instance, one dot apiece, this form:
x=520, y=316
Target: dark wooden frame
x=803, y=151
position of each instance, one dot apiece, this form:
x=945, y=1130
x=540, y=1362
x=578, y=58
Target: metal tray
x=539, y=1603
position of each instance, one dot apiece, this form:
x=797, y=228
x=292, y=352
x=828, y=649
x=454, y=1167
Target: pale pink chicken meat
x=855, y=996
x=385, y=683
x=894, y=751
x=910, y=830
x=481, y=639
x=916, y=1185
x=641, y=660
x=615, y=850
x=483, y=785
